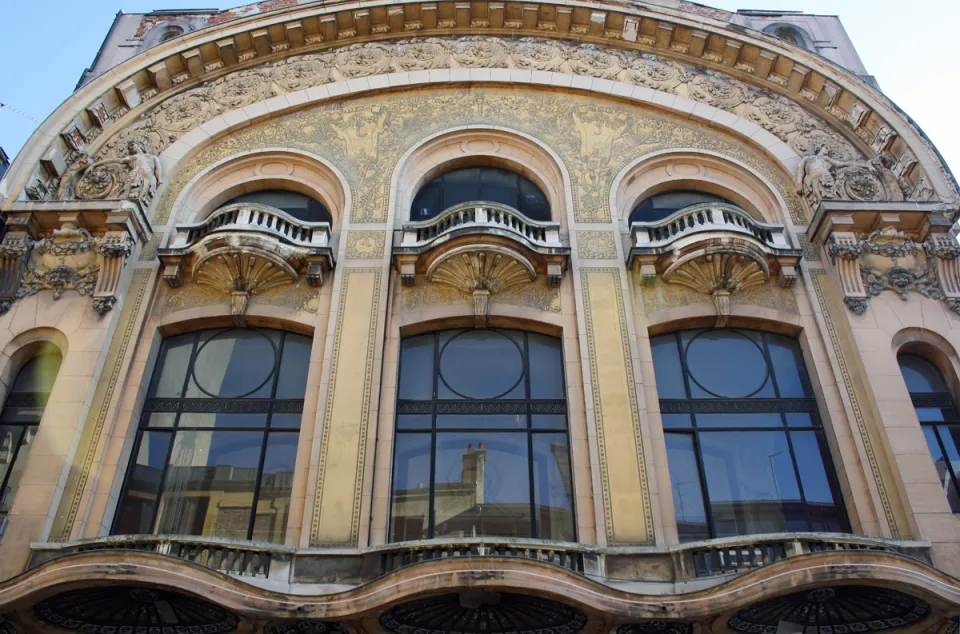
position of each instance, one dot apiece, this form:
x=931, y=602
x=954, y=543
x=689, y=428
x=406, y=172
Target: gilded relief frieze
x=298, y=296
x=659, y=295
x=365, y=245
x=596, y=245
x=366, y=137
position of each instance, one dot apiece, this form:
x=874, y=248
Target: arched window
x=170, y=33
x=20, y=418
x=217, y=442
x=491, y=184
x=660, y=206
x=481, y=445
x=938, y=418
x=744, y=442
x=300, y=206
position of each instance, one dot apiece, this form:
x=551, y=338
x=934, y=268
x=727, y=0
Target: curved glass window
x=660, y=206
x=938, y=418
x=481, y=445
x=744, y=442
x=300, y=206
x=491, y=184
x=218, y=436
x=19, y=420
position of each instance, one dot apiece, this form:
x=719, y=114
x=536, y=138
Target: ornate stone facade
x=137, y=197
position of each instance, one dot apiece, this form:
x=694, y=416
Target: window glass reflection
x=20, y=418
x=489, y=184
x=744, y=443
x=938, y=418
x=220, y=460
x=480, y=457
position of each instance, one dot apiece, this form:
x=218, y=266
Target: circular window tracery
x=114, y=609
x=481, y=364
x=483, y=613
x=833, y=610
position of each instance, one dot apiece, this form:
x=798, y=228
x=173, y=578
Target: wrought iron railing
x=257, y=218
x=704, y=218
x=479, y=216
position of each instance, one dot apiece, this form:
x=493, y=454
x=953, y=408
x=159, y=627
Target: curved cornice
x=494, y=573
x=863, y=114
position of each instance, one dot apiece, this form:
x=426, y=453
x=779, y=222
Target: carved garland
x=888, y=260
x=70, y=259
x=126, y=165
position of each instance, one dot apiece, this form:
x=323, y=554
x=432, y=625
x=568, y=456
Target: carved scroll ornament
x=71, y=259
x=888, y=260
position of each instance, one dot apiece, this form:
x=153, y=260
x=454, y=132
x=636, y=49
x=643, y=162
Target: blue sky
x=909, y=47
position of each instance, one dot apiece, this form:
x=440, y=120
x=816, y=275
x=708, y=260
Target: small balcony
x=481, y=248
x=713, y=248
x=246, y=248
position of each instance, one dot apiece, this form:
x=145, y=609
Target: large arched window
x=490, y=184
x=660, y=206
x=481, y=445
x=744, y=442
x=20, y=418
x=939, y=419
x=217, y=442
x=300, y=206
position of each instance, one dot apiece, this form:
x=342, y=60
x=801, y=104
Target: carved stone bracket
x=482, y=250
x=62, y=247
x=482, y=271
x=888, y=260
x=719, y=270
x=716, y=249
x=243, y=250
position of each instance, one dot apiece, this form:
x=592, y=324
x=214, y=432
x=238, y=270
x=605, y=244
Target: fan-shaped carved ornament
x=720, y=271
x=242, y=273
x=481, y=271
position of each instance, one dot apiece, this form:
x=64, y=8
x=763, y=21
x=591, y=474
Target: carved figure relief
x=889, y=260
x=821, y=177
x=789, y=121
x=136, y=176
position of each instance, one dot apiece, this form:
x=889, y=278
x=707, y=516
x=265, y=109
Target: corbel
x=113, y=250
x=845, y=249
x=944, y=249
x=14, y=248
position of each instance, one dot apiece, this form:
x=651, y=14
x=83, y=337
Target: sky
x=910, y=47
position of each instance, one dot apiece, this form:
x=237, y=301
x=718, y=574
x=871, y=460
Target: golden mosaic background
x=365, y=138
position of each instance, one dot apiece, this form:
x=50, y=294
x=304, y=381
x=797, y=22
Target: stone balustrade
x=255, y=218
x=711, y=561
x=705, y=218
x=479, y=217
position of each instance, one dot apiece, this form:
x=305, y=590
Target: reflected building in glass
x=479, y=318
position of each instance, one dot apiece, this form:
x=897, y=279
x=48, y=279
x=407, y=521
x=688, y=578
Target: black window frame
x=313, y=205
x=751, y=405
x=465, y=405
x=37, y=400
x=210, y=405
x=438, y=185
x=944, y=401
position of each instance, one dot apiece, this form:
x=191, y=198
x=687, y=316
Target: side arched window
x=217, y=442
x=938, y=418
x=20, y=418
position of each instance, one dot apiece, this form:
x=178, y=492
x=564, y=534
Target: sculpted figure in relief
x=135, y=176
x=822, y=177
